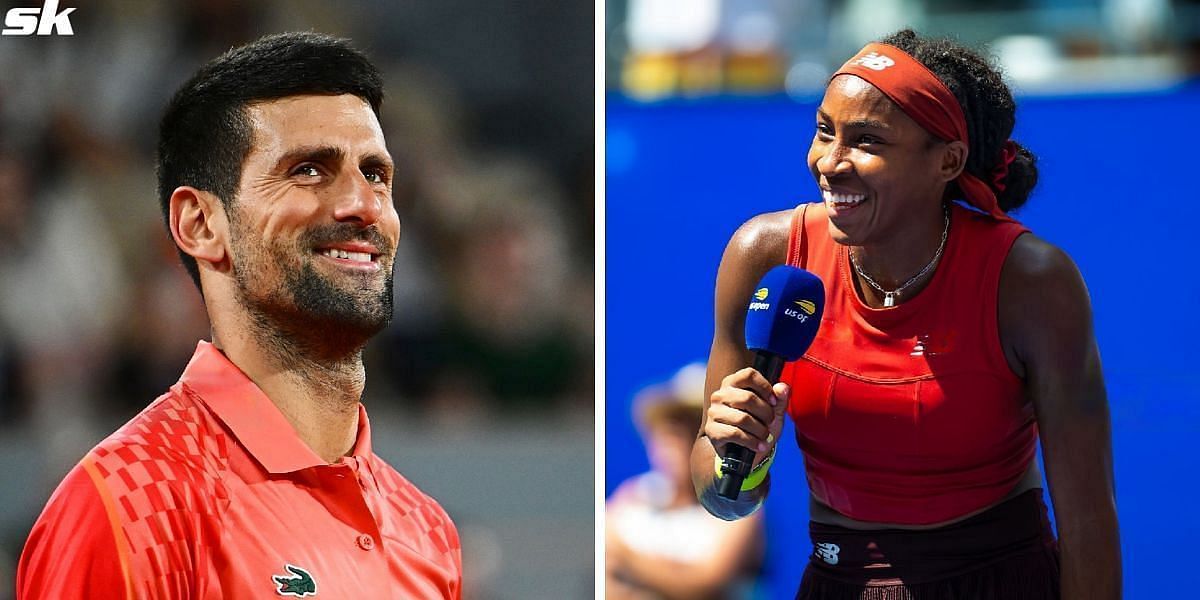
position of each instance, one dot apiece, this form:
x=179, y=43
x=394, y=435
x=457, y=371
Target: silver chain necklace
x=889, y=298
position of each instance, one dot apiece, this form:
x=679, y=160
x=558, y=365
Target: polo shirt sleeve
x=115, y=529
x=72, y=551
x=455, y=557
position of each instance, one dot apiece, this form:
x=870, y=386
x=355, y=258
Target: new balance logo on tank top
x=910, y=414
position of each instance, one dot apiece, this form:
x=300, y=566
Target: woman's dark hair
x=988, y=106
x=205, y=134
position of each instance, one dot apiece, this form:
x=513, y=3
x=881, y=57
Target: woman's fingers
x=746, y=410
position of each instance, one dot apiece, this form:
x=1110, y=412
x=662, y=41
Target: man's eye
x=307, y=171
x=375, y=176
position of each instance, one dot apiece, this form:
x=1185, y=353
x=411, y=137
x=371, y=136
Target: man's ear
x=199, y=225
x=954, y=160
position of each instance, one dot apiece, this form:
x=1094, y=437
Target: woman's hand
x=741, y=408
x=746, y=410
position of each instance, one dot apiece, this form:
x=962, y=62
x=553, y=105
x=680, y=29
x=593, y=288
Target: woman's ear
x=954, y=160
x=198, y=225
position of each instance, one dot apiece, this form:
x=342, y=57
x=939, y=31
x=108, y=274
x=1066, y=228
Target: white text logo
x=40, y=21
x=875, y=61
x=828, y=552
x=795, y=314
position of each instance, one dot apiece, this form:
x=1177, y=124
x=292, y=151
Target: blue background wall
x=1116, y=193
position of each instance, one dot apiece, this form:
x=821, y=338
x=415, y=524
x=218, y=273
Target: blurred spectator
x=506, y=344
x=699, y=47
x=63, y=289
x=488, y=314
x=157, y=335
x=673, y=48
x=660, y=543
x=15, y=187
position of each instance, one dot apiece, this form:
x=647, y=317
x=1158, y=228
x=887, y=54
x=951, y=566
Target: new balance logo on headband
x=875, y=61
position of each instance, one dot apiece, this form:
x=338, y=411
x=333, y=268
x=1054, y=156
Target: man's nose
x=357, y=200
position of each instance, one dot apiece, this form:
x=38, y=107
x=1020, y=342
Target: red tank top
x=910, y=414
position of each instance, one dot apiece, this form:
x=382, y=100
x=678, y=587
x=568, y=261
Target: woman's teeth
x=843, y=200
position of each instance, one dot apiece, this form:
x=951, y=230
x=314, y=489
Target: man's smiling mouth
x=363, y=257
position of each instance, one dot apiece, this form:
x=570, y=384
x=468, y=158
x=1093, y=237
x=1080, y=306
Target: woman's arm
x=740, y=405
x=1046, y=328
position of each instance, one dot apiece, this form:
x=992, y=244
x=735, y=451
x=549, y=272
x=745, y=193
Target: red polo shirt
x=209, y=493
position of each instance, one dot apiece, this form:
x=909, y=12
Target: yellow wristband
x=757, y=475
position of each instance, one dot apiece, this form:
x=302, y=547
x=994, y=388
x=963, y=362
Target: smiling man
x=254, y=475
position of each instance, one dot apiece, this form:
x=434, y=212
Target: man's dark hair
x=205, y=134
x=988, y=106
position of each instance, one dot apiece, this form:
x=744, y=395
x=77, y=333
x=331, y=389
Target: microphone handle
x=739, y=460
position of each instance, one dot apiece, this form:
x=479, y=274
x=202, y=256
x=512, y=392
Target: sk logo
x=301, y=585
x=828, y=552
x=46, y=20
x=875, y=61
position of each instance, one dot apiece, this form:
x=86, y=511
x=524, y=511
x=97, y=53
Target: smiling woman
x=951, y=338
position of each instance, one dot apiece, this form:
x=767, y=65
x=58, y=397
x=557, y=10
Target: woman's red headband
x=922, y=96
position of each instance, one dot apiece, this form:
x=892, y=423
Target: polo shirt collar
x=251, y=416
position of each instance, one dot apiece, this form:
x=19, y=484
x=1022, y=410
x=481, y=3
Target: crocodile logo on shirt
x=300, y=585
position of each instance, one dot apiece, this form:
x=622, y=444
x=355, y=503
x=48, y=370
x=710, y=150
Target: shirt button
x=366, y=542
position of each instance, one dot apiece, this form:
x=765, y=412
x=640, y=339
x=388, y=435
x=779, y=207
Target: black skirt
x=1005, y=553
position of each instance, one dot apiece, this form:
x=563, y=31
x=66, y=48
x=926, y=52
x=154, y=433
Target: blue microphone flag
x=785, y=312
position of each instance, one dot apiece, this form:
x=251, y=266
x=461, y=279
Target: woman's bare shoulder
x=762, y=240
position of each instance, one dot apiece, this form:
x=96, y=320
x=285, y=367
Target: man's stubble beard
x=304, y=314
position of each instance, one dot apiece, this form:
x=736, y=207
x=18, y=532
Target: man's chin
x=330, y=335
x=364, y=301
x=320, y=312
x=369, y=320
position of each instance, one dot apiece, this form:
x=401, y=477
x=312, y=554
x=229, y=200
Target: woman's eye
x=869, y=139
x=824, y=129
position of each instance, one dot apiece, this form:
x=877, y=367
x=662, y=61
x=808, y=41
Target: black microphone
x=781, y=323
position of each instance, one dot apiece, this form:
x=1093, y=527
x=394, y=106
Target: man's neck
x=319, y=396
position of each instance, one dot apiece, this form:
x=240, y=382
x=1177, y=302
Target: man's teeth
x=358, y=256
x=843, y=199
